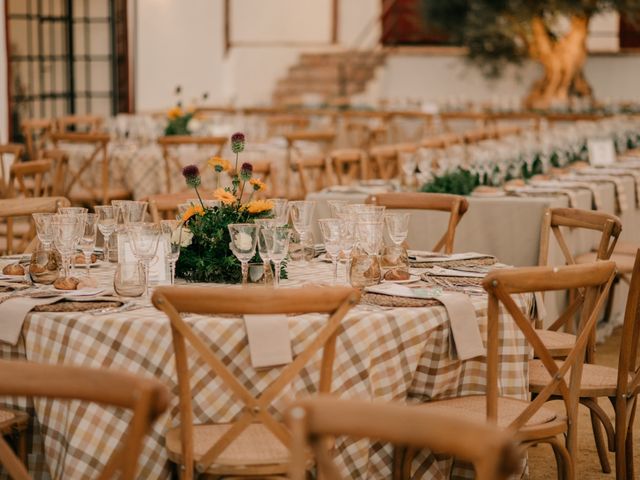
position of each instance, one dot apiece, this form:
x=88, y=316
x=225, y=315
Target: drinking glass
x=371, y=213
x=347, y=241
x=301, y=216
x=129, y=279
x=132, y=211
x=337, y=207
x=244, y=237
x=280, y=210
x=397, y=226
x=87, y=241
x=266, y=224
x=370, y=236
x=107, y=222
x=144, y=238
x=44, y=229
x=172, y=235
x=331, y=229
x=72, y=210
x=277, y=241
x=80, y=213
x=64, y=238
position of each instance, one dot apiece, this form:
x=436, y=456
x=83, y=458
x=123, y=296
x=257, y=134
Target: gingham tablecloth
x=399, y=354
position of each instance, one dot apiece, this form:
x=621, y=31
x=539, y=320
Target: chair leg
x=398, y=457
x=609, y=307
x=629, y=443
x=601, y=447
x=22, y=447
x=564, y=459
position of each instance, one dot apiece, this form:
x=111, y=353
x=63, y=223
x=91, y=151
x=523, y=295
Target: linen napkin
x=465, y=332
x=269, y=340
x=13, y=311
x=424, y=256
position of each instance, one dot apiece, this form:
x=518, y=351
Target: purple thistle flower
x=237, y=142
x=192, y=175
x=246, y=171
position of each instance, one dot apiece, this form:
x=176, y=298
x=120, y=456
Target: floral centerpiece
x=205, y=255
x=182, y=121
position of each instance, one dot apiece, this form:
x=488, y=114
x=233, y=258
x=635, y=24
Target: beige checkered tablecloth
x=399, y=354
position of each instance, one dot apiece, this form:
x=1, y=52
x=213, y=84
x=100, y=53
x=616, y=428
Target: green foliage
x=178, y=126
x=460, y=182
x=208, y=258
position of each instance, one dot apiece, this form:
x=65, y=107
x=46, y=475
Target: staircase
x=329, y=77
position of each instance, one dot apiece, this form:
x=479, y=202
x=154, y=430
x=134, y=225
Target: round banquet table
x=383, y=354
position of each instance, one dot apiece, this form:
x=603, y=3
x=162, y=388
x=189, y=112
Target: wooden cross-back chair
x=59, y=170
x=37, y=133
x=147, y=398
x=384, y=161
x=164, y=206
x=12, y=242
x=10, y=153
x=79, y=123
x=259, y=443
x=31, y=179
x=610, y=228
x=262, y=170
x=618, y=385
x=316, y=421
x=97, y=147
x=170, y=143
x=456, y=205
x=280, y=124
x=314, y=174
x=364, y=134
x=349, y=165
x=324, y=139
x=530, y=421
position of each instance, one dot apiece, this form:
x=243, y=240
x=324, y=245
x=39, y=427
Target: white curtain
x=4, y=81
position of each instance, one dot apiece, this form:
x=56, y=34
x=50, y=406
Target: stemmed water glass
x=347, y=240
x=301, y=216
x=244, y=237
x=144, y=238
x=397, y=226
x=331, y=229
x=280, y=211
x=107, y=223
x=64, y=238
x=337, y=207
x=277, y=241
x=44, y=229
x=266, y=224
x=87, y=240
x=172, y=235
x=370, y=236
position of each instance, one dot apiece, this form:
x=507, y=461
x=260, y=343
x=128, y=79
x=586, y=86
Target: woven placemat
x=488, y=260
x=392, y=301
x=442, y=280
x=70, y=306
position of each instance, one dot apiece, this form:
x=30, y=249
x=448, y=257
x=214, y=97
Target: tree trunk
x=562, y=60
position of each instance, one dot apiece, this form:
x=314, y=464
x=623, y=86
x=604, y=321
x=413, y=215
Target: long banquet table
x=385, y=354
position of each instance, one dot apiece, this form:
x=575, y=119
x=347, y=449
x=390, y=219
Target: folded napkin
x=465, y=332
x=544, y=192
x=269, y=340
x=448, y=272
x=13, y=311
x=425, y=256
x=593, y=188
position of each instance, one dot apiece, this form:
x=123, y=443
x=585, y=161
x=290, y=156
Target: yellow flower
x=191, y=211
x=219, y=164
x=174, y=113
x=258, y=185
x=224, y=196
x=259, y=206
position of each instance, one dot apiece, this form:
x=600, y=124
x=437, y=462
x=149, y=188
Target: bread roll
x=69, y=283
x=80, y=258
x=396, y=274
x=13, y=269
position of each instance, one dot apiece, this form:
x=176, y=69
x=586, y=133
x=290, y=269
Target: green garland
x=460, y=182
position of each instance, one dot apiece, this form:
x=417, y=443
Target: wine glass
x=144, y=238
x=244, y=237
x=87, y=240
x=44, y=229
x=72, y=210
x=280, y=210
x=347, y=240
x=172, y=235
x=331, y=229
x=265, y=224
x=370, y=236
x=301, y=216
x=397, y=226
x=80, y=213
x=64, y=238
x=337, y=207
x=277, y=242
x=107, y=222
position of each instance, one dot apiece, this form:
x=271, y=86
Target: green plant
x=459, y=182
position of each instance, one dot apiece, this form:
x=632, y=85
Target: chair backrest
x=24, y=207
x=59, y=169
x=314, y=422
x=10, y=153
x=284, y=123
x=628, y=368
x=31, y=179
x=554, y=218
x=314, y=174
x=36, y=132
x=595, y=279
x=172, y=163
x=456, y=205
x=165, y=205
x=384, y=159
x=147, y=398
x=79, y=123
x=335, y=301
x=98, y=143
x=349, y=165
x=262, y=170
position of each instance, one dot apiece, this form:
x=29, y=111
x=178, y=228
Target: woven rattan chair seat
x=624, y=262
x=11, y=420
x=475, y=407
x=597, y=380
x=559, y=344
x=254, y=447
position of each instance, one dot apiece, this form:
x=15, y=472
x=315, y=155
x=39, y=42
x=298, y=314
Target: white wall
x=4, y=94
